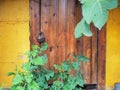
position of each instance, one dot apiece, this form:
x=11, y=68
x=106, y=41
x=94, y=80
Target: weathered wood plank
x=61, y=37
x=94, y=63
x=101, y=58
x=45, y=23
x=53, y=32
x=79, y=42
x=87, y=65
x=34, y=21
x=71, y=22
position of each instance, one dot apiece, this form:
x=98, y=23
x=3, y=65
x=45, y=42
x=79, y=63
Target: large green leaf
x=82, y=28
x=96, y=11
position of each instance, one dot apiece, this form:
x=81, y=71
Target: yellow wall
x=113, y=48
x=14, y=36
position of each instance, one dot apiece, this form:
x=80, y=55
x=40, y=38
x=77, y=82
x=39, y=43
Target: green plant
x=68, y=75
x=96, y=12
x=35, y=76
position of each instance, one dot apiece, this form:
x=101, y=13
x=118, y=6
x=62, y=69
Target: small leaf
x=28, y=78
x=34, y=47
x=75, y=65
x=34, y=53
x=44, y=57
x=58, y=67
x=39, y=61
x=83, y=58
x=11, y=73
x=44, y=47
x=66, y=66
x=26, y=66
x=17, y=80
x=49, y=74
x=33, y=86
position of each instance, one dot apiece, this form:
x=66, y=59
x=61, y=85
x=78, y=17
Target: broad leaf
x=49, y=75
x=96, y=11
x=17, y=80
x=39, y=61
x=75, y=65
x=82, y=28
x=29, y=78
x=43, y=47
x=34, y=47
x=26, y=66
x=66, y=65
x=33, y=86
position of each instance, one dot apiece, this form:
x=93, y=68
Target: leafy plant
x=68, y=75
x=35, y=76
x=96, y=12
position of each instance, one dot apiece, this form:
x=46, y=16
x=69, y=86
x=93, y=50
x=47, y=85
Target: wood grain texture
x=101, y=58
x=53, y=32
x=70, y=24
x=57, y=20
x=94, y=61
x=34, y=21
x=87, y=65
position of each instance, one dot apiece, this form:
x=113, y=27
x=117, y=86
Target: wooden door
x=57, y=19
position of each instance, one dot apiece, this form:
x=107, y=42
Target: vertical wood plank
x=53, y=32
x=79, y=42
x=94, y=60
x=87, y=65
x=34, y=21
x=61, y=37
x=45, y=23
x=101, y=58
x=71, y=22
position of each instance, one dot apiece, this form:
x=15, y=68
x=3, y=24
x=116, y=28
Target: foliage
x=96, y=12
x=68, y=75
x=35, y=76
